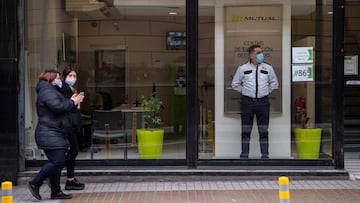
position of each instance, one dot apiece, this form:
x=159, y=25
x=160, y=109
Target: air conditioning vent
x=83, y=5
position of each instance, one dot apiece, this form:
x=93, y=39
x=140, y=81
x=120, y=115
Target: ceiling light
x=330, y=12
x=173, y=11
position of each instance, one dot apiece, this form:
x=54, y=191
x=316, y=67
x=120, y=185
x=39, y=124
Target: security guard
x=255, y=80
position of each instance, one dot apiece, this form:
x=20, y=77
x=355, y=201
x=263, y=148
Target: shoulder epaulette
x=267, y=63
x=245, y=63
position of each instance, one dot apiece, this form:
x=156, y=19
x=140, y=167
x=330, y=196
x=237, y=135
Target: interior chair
x=108, y=130
x=92, y=101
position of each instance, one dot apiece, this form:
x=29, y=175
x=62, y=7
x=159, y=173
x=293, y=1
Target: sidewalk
x=253, y=191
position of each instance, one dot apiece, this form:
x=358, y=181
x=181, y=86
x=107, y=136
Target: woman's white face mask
x=71, y=78
x=70, y=81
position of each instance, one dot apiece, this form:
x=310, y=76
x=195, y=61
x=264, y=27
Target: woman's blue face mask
x=260, y=58
x=58, y=83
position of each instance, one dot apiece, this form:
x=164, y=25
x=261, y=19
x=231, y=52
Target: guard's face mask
x=260, y=58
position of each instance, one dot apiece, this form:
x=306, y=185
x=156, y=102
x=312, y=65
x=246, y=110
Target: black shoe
x=60, y=195
x=264, y=156
x=243, y=156
x=34, y=190
x=74, y=185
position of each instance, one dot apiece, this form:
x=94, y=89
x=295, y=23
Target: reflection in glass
x=122, y=52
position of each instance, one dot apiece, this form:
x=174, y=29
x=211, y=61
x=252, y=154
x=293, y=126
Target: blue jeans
x=52, y=169
x=250, y=108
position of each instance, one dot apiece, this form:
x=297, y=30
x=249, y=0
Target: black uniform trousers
x=249, y=108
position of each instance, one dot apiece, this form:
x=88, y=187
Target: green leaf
x=152, y=107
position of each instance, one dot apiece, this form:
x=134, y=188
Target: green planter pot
x=150, y=143
x=308, y=142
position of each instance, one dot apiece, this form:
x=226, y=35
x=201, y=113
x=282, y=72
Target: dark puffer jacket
x=53, y=117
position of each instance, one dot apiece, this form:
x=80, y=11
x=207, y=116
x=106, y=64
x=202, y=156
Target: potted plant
x=307, y=139
x=150, y=139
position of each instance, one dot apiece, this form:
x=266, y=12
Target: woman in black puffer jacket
x=69, y=79
x=51, y=131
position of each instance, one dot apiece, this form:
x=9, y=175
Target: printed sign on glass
x=302, y=55
x=302, y=72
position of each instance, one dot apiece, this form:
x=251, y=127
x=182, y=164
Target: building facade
x=187, y=52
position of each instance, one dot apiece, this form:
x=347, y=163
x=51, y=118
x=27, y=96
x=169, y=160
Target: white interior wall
x=227, y=126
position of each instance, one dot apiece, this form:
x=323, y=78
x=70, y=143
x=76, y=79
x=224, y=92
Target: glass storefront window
x=121, y=51
x=125, y=50
x=351, y=80
x=285, y=30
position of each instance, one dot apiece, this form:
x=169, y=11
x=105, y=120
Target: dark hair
x=253, y=47
x=49, y=75
x=66, y=71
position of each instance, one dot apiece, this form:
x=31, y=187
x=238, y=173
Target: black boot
x=60, y=195
x=34, y=190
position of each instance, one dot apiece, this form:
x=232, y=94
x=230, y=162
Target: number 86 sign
x=302, y=72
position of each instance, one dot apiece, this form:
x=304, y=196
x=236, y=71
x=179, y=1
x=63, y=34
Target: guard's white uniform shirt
x=255, y=81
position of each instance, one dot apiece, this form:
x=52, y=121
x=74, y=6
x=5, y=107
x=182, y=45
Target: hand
x=77, y=98
x=80, y=96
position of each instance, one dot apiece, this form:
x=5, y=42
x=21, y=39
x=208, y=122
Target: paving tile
x=174, y=197
x=162, y=196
